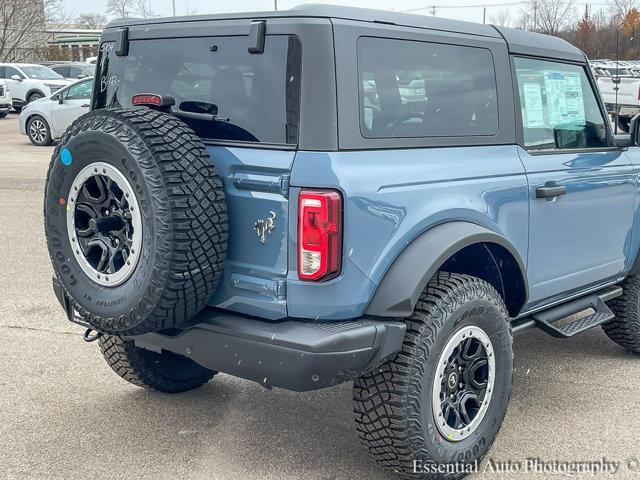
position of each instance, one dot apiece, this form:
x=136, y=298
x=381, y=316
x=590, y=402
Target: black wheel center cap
x=106, y=225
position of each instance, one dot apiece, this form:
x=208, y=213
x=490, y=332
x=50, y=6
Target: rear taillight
x=319, y=234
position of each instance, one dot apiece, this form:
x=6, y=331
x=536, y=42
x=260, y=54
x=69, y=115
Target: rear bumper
x=291, y=354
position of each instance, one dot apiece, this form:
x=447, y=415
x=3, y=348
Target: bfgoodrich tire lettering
x=393, y=404
x=184, y=220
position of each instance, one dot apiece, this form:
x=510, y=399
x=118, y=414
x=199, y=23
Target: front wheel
x=39, y=132
x=34, y=96
x=624, y=329
x=165, y=372
x=437, y=407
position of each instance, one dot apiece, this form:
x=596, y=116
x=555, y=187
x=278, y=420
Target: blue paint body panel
x=570, y=244
x=251, y=180
x=583, y=238
x=391, y=197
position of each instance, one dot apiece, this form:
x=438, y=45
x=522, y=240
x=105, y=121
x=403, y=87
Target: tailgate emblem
x=264, y=227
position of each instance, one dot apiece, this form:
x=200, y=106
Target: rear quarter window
x=256, y=96
x=422, y=89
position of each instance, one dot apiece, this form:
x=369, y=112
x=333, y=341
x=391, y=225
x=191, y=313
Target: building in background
x=72, y=43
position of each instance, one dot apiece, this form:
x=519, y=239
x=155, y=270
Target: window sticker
x=565, y=105
x=533, y=105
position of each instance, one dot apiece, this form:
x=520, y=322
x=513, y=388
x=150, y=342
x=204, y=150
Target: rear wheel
x=39, y=132
x=441, y=401
x=165, y=372
x=624, y=329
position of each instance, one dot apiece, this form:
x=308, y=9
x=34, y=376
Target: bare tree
x=143, y=9
x=621, y=8
x=92, y=20
x=502, y=18
x=120, y=8
x=548, y=16
x=23, y=27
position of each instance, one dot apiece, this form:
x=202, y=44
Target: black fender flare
x=402, y=284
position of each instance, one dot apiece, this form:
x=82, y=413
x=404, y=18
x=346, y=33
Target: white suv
x=28, y=82
x=5, y=99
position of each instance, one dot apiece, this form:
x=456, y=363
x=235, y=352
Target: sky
x=470, y=10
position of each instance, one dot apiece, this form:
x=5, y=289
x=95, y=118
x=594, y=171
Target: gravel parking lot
x=65, y=414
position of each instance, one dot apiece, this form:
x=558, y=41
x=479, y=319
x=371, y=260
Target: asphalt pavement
x=65, y=415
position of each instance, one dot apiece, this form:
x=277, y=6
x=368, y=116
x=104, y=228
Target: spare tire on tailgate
x=135, y=220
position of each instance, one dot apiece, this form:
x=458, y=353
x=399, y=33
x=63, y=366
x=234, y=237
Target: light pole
x=275, y=5
x=173, y=2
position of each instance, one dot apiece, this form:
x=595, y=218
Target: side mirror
x=60, y=100
x=17, y=78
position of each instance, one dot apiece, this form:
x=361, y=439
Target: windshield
x=41, y=73
x=236, y=96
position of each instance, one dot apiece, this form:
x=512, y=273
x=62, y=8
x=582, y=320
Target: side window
x=3, y=72
x=75, y=72
x=80, y=91
x=61, y=71
x=559, y=108
x=12, y=71
x=421, y=89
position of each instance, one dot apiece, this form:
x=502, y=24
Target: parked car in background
x=91, y=60
x=29, y=82
x=621, y=95
x=46, y=119
x=5, y=99
x=74, y=70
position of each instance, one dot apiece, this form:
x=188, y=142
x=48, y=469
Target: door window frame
x=518, y=113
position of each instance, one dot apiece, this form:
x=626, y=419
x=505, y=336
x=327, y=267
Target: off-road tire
x=392, y=404
x=165, y=372
x=184, y=220
x=3, y=114
x=624, y=329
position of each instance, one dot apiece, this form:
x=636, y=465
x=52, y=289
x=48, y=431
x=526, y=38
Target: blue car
x=332, y=194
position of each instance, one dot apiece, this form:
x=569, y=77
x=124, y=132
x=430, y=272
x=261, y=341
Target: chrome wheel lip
x=38, y=130
x=451, y=434
x=123, y=274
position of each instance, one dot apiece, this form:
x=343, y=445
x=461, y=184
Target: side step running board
x=549, y=320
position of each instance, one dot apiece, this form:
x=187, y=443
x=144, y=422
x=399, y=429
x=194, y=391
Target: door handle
x=551, y=189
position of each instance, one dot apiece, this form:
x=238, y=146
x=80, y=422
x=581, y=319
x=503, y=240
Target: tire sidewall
x=491, y=318
x=109, y=140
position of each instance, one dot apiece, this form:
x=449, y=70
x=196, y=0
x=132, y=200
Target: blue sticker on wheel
x=65, y=157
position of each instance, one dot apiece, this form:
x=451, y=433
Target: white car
x=28, y=82
x=46, y=119
x=5, y=99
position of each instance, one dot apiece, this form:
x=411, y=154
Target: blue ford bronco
x=332, y=194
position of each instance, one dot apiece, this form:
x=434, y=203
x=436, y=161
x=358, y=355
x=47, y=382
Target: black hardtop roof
x=519, y=41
